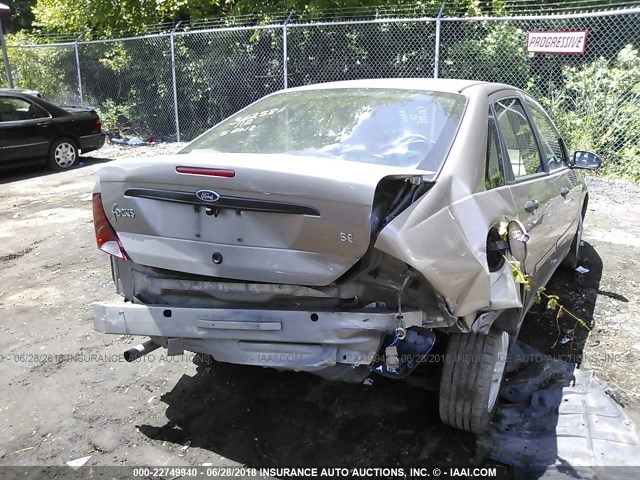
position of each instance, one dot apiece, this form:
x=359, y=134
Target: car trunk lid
x=77, y=108
x=83, y=115
x=264, y=218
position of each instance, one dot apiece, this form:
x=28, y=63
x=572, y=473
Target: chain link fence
x=346, y=51
x=131, y=82
x=175, y=85
x=219, y=72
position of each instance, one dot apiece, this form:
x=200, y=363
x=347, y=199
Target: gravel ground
x=67, y=392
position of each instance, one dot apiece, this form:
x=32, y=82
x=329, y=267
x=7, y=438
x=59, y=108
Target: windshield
x=390, y=127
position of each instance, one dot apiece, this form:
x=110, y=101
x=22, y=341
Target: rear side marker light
x=207, y=172
x=106, y=237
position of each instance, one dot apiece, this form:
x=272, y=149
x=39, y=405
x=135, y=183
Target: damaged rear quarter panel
x=444, y=234
x=449, y=248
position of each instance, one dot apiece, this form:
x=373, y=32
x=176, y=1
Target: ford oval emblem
x=208, y=196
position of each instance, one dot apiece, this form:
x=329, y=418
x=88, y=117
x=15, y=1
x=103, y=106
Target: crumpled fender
x=444, y=234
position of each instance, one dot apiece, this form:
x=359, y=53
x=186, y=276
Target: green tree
x=489, y=51
x=21, y=16
x=50, y=70
x=116, y=17
x=108, y=18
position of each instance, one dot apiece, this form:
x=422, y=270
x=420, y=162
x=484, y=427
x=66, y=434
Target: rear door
x=25, y=130
x=569, y=192
x=531, y=186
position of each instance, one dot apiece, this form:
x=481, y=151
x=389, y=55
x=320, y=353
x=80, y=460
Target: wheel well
x=66, y=137
x=510, y=321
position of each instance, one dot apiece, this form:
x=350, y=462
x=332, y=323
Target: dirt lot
x=67, y=393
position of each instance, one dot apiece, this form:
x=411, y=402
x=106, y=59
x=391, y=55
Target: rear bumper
x=294, y=340
x=89, y=143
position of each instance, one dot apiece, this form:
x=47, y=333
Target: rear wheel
x=471, y=379
x=63, y=154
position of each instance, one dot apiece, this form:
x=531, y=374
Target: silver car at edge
x=344, y=229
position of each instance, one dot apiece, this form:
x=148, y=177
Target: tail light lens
x=106, y=237
x=97, y=127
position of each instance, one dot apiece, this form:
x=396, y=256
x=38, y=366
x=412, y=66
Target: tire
x=572, y=260
x=63, y=154
x=471, y=379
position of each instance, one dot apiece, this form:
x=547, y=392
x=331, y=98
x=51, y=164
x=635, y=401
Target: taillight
x=97, y=127
x=106, y=237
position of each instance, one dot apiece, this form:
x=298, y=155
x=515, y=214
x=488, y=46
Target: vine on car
x=553, y=301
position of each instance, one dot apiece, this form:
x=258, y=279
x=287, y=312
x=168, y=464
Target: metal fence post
x=173, y=77
x=75, y=46
x=5, y=58
x=436, y=58
x=285, y=71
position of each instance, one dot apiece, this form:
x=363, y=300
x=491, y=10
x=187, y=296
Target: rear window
x=390, y=127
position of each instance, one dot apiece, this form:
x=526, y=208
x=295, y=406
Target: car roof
x=22, y=91
x=448, y=85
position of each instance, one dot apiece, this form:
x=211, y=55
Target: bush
x=116, y=117
x=598, y=109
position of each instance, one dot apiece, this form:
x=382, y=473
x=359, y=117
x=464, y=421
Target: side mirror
x=585, y=160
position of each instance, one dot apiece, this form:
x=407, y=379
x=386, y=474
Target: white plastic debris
x=78, y=462
x=134, y=141
x=564, y=341
x=582, y=270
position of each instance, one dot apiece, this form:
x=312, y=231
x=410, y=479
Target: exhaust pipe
x=140, y=350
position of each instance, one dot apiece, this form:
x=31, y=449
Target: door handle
x=531, y=205
x=42, y=124
x=564, y=191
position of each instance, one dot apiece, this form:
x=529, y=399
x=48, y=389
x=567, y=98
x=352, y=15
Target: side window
x=551, y=143
x=37, y=112
x=7, y=110
x=15, y=109
x=522, y=149
x=494, y=174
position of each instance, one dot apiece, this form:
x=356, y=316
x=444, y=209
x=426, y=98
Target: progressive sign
x=564, y=41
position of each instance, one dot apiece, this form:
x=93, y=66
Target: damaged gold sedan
x=344, y=229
